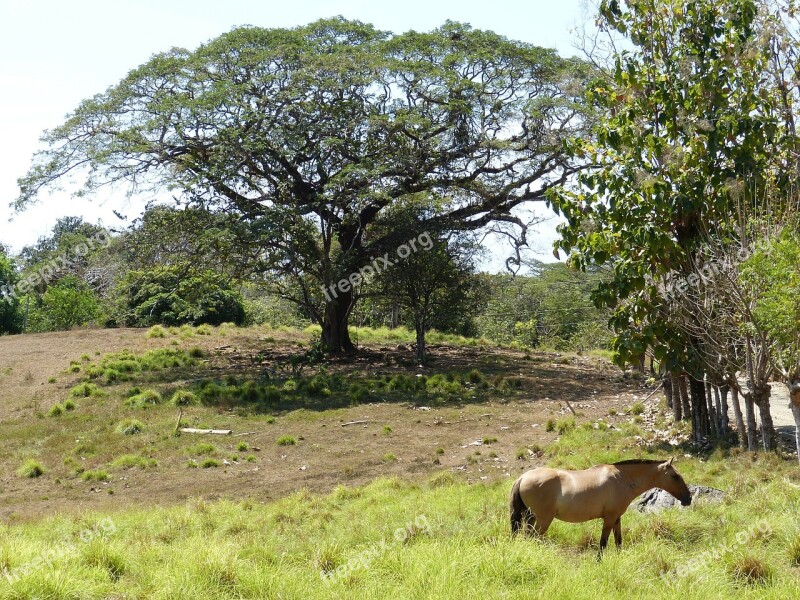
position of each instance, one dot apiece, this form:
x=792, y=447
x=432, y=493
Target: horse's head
x=671, y=481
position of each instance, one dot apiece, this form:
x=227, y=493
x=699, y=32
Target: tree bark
x=721, y=398
x=421, y=348
x=752, y=446
x=768, y=436
x=737, y=413
x=700, y=423
x=666, y=382
x=712, y=413
x=686, y=409
x=335, y=333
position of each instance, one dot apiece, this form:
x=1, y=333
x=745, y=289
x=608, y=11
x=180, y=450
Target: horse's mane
x=638, y=461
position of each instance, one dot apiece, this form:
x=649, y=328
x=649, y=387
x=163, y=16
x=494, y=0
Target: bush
x=168, y=295
x=130, y=427
x=31, y=468
x=144, y=399
x=286, y=440
x=184, y=398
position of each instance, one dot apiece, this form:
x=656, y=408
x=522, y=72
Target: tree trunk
x=796, y=415
x=737, y=413
x=700, y=423
x=684, y=397
x=712, y=414
x=421, y=344
x=721, y=398
x=335, y=334
x=752, y=446
x=768, y=436
x=666, y=383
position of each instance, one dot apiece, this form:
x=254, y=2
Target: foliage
x=550, y=308
x=376, y=121
x=68, y=303
x=10, y=313
x=687, y=126
x=177, y=296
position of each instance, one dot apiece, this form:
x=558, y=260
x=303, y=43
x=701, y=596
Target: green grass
x=133, y=461
x=442, y=539
x=95, y=475
x=31, y=469
x=130, y=427
x=286, y=440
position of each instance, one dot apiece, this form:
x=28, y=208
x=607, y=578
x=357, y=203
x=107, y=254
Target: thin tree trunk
x=666, y=383
x=700, y=424
x=737, y=413
x=712, y=414
x=421, y=344
x=684, y=397
x=752, y=446
x=768, y=436
x=721, y=397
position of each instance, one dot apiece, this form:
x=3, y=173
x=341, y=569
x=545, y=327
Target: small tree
x=437, y=278
x=68, y=303
x=772, y=274
x=10, y=315
x=179, y=295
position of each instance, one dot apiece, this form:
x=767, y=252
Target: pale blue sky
x=56, y=53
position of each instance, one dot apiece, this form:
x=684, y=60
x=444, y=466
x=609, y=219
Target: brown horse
x=602, y=492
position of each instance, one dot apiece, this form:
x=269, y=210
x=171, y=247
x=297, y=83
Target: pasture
x=367, y=476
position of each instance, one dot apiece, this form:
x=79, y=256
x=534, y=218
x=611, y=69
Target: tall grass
x=441, y=539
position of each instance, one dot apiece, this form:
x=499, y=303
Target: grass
x=130, y=427
x=133, y=461
x=286, y=440
x=31, y=469
x=441, y=539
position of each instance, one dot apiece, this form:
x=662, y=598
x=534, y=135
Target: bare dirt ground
x=476, y=439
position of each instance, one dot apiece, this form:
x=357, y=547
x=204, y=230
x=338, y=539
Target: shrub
x=184, y=398
x=637, y=408
x=96, y=475
x=170, y=296
x=69, y=404
x=156, y=331
x=144, y=399
x=286, y=440
x=209, y=463
x=130, y=427
x=242, y=447
x=55, y=411
x=130, y=461
x=31, y=468
x=85, y=390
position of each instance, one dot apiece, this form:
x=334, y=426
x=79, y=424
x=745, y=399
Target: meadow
x=102, y=500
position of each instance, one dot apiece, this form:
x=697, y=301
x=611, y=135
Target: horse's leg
x=618, y=532
x=542, y=524
x=530, y=520
x=607, y=526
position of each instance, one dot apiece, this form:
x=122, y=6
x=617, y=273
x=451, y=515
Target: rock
x=657, y=499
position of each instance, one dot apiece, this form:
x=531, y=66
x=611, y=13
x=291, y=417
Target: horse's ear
x=669, y=462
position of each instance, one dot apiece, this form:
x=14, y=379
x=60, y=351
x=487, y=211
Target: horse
x=601, y=492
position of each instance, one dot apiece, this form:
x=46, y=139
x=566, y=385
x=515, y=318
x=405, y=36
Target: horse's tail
x=518, y=508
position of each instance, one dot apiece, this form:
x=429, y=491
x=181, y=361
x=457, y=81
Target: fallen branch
x=206, y=431
x=650, y=395
x=355, y=423
x=569, y=406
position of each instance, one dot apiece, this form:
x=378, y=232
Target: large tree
x=307, y=135
x=691, y=127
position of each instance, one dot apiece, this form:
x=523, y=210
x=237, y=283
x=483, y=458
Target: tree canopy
x=309, y=134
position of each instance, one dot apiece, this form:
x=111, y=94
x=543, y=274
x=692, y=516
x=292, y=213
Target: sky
x=53, y=54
